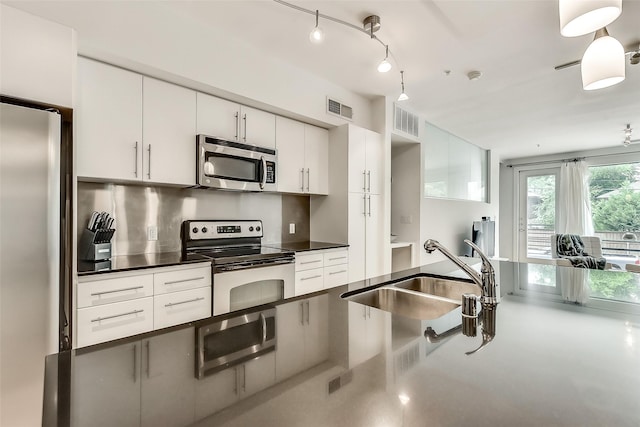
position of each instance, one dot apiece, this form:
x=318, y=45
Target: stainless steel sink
x=439, y=286
x=407, y=303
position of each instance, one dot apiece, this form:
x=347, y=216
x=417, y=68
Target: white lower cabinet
x=309, y=281
x=321, y=269
x=181, y=307
x=303, y=335
x=144, y=383
x=216, y=392
x=365, y=333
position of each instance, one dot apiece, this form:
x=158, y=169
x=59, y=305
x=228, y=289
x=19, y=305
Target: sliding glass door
x=537, y=207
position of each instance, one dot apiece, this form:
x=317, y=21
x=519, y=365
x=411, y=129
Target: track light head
x=316, y=35
x=403, y=96
x=385, y=65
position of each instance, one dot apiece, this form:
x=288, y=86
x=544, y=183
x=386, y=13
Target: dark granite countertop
x=563, y=354
x=308, y=246
x=137, y=262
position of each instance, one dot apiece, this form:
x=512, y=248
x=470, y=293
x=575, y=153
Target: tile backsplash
x=137, y=207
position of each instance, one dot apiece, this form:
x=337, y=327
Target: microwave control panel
x=199, y=230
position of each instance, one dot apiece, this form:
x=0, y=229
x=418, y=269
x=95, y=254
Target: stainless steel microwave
x=232, y=165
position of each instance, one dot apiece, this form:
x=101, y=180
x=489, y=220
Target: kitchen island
x=554, y=361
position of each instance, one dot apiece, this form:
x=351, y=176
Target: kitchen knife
x=92, y=220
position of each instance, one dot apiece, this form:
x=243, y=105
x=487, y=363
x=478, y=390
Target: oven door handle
x=263, y=320
x=263, y=180
x=249, y=264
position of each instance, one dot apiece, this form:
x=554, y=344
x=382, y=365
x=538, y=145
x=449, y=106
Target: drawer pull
x=310, y=262
x=173, y=282
x=100, y=319
x=340, y=257
x=338, y=272
x=312, y=277
x=97, y=294
x=171, y=304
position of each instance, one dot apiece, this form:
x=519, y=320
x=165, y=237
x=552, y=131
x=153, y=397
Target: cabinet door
x=257, y=127
x=169, y=132
x=308, y=281
x=217, y=117
x=357, y=160
x=374, y=239
x=108, y=122
x=316, y=339
x=359, y=342
x=258, y=374
x=316, y=152
x=357, y=247
x=168, y=382
x=290, y=144
x=375, y=162
x=106, y=387
x=175, y=308
x=290, y=335
x=216, y=392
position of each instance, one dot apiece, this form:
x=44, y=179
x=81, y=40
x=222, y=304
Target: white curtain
x=574, y=206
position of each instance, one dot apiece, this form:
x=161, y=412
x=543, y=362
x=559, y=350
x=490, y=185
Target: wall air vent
x=339, y=109
x=405, y=121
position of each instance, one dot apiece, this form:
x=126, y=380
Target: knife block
x=95, y=245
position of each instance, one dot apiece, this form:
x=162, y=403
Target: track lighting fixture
x=403, y=96
x=316, y=35
x=580, y=17
x=385, y=65
x=603, y=62
x=627, y=135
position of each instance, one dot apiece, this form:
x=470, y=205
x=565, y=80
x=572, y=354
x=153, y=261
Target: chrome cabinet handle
x=97, y=294
x=369, y=205
x=171, y=304
x=338, y=272
x=302, y=179
x=369, y=181
x=312, y=277
x=99, y=319
x=364, y=180
x=307, y=312
x=263, y=181
x=135, y=171
x=237, y=125
x=364, y=201
x=149, y=171
x=148, y=345
x=235, y=386
x=309, y=262
x=308, y=179
x=244, y=377
x=263, y=321
x=340, y=257
x=301, y=313
x=364, y=312
x=173, y=282
x=244, y=137
x=135, y=363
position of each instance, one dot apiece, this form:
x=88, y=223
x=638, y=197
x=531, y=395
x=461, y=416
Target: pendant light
x=603, y=62
x=316, y=35
x=580, y=17
x=403, y=96
x=385, y=65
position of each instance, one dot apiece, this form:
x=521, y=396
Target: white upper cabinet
x=234, y=122
x=134, y=128
x=365, y=161
x=169, y=132
x=303, y=157
x=108, y=122
x=374, y=160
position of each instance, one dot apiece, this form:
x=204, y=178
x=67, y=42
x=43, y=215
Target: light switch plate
x=152, y=233
x=292, y=228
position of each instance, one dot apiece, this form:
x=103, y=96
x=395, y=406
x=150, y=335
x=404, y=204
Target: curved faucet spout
x=431, y=245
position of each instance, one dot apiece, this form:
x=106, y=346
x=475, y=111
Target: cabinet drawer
x=181, y=307
x=309, y=261
x=336, y=275
x=107, y=291
x=309, y=281
x=336, y=258
x=112, y=321
x=181, y=280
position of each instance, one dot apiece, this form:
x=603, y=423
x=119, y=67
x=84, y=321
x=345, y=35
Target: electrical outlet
x=152, y=233
x=292, y=228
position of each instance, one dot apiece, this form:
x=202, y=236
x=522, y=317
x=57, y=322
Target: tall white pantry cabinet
x=354, y=209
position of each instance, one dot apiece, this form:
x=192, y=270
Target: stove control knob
x=258, y=228
x=250, y=228
x=204, y=229
x=194, y=230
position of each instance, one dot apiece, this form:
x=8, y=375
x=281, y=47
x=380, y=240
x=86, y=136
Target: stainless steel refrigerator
x=32, y=256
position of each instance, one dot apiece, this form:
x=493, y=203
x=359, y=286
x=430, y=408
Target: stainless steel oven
x=232, y=165
x=229, y=342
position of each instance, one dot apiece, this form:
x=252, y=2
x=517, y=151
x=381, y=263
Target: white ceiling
x=520, y=107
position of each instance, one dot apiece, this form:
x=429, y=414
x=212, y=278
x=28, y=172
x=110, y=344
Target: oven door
x=232, y=341
x=235, y=166
x=240, y=289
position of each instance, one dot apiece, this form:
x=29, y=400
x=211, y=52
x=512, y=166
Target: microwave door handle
x=264, y=328
x=263, y=181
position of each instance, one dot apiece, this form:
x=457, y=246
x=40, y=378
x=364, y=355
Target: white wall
x=37, y=58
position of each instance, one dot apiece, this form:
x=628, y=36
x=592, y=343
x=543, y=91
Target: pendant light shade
x=580, y=17
x=316, y=35
x=603, y=62
x=385, y=65
x=403, y=95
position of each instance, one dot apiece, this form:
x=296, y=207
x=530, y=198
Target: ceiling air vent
x=406, y=122
x=339, y=109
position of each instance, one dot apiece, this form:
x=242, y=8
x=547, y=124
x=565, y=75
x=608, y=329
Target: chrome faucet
x=486, y=280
